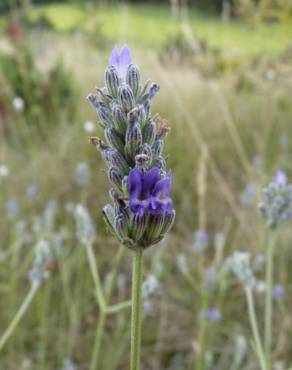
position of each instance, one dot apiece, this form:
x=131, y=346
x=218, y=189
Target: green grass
x=151, y=27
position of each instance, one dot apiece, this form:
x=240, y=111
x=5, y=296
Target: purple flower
x=212, y=314
x=278, y=292
x=281, y=178
x=149, y=192
x=121, y=59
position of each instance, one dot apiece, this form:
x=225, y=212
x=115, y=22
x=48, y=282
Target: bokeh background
x=224, y=67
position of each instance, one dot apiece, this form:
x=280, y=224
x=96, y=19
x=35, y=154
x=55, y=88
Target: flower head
x=149, y=192
x=121, y=59
x=201, y=239
x=142, y=211
x=276, y=207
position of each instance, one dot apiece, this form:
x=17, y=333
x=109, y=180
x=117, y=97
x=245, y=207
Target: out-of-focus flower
x=239, y=264
x=89, y=126
x=40, y=270
x=248, y=195
x=279, y=365
x=18, y=104
x=278, y=292
x=150, y=289
x=49, y=215
x=69, y=365
x=276, y=207
x=260, y=286
x=270, y=74
x=12, y=209
x=32, y=189
x=212, y=314
x=201, y=240
x=82, y=174
x=182, y=264
x=85, y=228
x=4, y=170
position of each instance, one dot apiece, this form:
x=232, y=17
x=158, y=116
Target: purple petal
x=138, y=205
x=114, y=58
x=161, y=205
x=135, y=182
x=281, y=178
x=150, y=179
x=162, y=187
x=121, y=59
x=125, y=56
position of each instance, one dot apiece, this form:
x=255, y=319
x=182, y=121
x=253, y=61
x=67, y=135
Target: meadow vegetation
x=226, y=91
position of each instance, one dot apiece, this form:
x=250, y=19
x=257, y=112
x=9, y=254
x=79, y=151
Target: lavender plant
x=142, y=210
x=276, y=211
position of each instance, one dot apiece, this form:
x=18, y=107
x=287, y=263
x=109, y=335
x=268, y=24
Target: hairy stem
x=136, y=309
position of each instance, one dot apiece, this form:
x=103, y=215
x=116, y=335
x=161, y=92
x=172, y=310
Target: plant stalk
x=20, y=313
x=255, y=329
x=136, y=309
x=269, y=300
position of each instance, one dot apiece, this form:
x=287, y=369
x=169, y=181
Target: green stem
x=103, y=299
x=255, y=329
x=98, y=339
x=200, y=365
x=136, y=309
x=269, y=300
x=21, y=311
x=95, y=275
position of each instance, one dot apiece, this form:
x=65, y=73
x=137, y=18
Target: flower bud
x=121, y=226
x=157, y=148
x=133, y=136
x=126, y=97
x=133, y=78
x=116, y=178
x=139, y=224
x=149, y=132
x=142, y=160
x=112, y=81
x=118, y=161
x=155, y=226
x=159, y=162
x=168, y=222
x=120, y=119
x=109, y=217
x=114, y=139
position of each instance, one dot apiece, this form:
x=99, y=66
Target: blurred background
x=224, y=68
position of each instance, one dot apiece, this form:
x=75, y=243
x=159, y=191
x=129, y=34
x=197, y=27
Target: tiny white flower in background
x=239, y=264
x=85, y=228
x=150, y=286
x=18, y=104
x=4, y=170
x=89, y=126
x=260, y=286
x=68, y=365
x=182, y=264
x=258, y=263
x=121, y=281
x=150, y=289
x=82, y=174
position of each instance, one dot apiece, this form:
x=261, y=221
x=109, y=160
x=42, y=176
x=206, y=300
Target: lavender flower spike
x=142, y=211
x=121, y=59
